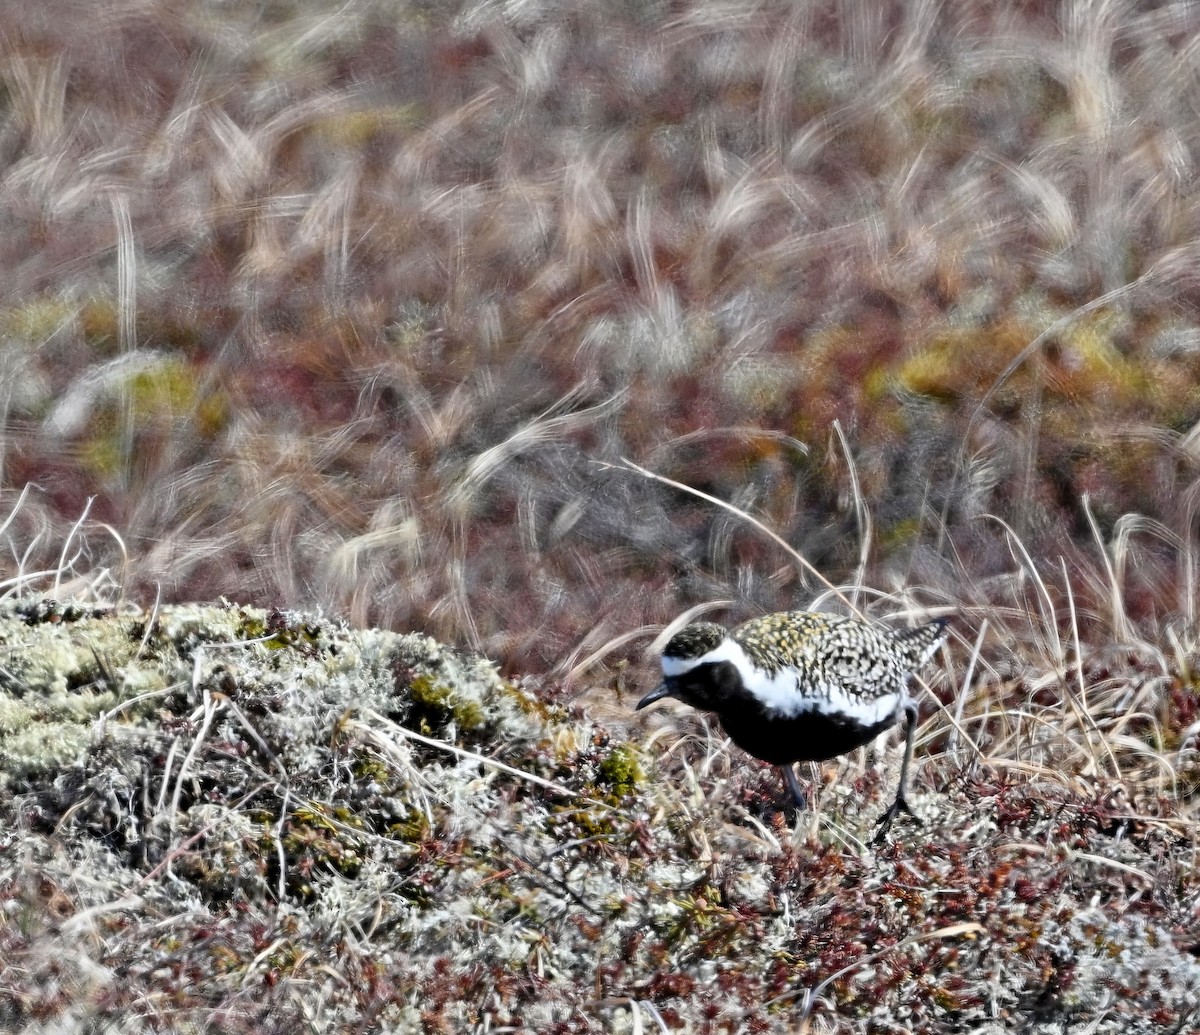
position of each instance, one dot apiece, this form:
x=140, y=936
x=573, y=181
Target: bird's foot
x=885, y=821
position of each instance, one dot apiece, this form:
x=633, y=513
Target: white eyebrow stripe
x=678, y=666
x=726, y=650
x=781, y=693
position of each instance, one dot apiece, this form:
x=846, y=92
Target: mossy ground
x=271, y=839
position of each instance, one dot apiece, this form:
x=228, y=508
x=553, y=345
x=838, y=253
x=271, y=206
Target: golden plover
x=801, y=686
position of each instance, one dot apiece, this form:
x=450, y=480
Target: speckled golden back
x=832, y=647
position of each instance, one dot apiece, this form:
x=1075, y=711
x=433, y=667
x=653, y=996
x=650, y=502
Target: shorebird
x=801, y=686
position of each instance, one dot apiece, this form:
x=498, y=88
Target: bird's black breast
x=809, y=737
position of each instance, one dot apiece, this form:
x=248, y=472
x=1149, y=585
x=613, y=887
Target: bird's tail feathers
x=920, y=643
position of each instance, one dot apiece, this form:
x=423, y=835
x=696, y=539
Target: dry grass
x=362, y=311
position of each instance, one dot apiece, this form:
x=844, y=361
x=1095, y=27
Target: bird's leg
x=901, y=803
x=793, y=785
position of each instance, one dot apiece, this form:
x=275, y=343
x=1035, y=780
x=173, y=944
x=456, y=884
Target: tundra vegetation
x=455, y=350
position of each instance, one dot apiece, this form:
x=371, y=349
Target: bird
x=801, y=686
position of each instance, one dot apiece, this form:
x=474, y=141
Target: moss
x=289, y=639
x=620, y=770
x=965, y=363
x=878, y=386
x=157, y=396
x=319, y=838
x=359, y=128
x=36, y=320
x=413, y=829
x=163, y=390
x=438, y=702
x=529, y=704
x=168, y=391
x=593, y=823
x=370, y=768
x=251, y=627
x=99, y=322
x=900, y=534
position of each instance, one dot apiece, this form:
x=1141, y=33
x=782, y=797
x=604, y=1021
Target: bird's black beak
x=657, y=694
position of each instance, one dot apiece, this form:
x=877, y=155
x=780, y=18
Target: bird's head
x=694, y=670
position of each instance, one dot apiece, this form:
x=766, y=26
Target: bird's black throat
x=711, y=687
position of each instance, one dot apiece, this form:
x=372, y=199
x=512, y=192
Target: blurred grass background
x=361, y=306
